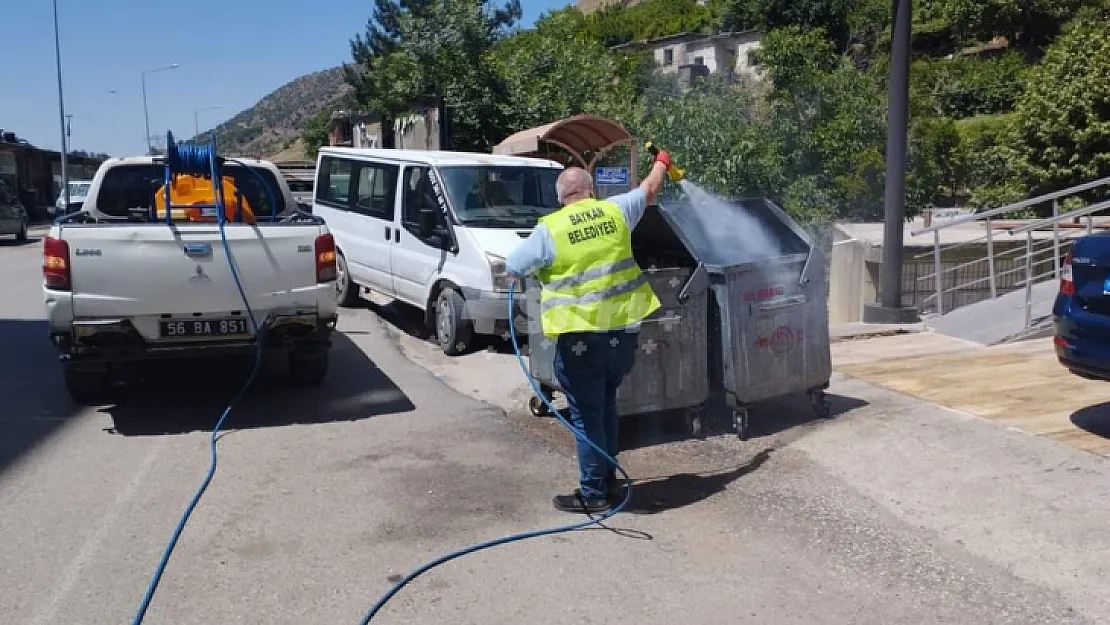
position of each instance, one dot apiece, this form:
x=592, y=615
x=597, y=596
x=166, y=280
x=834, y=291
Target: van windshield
x=501, y=196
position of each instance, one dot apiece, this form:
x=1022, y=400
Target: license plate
x=205, y=327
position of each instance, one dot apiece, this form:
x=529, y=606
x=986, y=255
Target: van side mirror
x=427, y=221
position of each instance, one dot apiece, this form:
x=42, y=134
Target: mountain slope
x=275, y=122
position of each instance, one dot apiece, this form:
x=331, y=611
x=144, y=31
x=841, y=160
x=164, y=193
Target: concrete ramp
x=999, y=320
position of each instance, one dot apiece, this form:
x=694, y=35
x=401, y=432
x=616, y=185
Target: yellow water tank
x=187, y=190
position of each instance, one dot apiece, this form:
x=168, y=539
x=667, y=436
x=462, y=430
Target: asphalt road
x=897, y=512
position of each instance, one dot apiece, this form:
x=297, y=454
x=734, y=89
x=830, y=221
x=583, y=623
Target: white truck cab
x=123, y=285
x=433, y=229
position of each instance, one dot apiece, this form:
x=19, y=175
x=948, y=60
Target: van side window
x=376, y=190
x=419, y=195
x=334, y=186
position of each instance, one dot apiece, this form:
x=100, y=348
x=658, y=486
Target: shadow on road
x=7, y=241
x=1094, y=419
x=33, y=401
x=678, y=491
x=410, y=320
x=176, y=398
x=766, y=419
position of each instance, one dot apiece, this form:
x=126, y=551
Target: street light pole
x=61, y=112
x=889, y=309
x=196, y=118
x=146, y=113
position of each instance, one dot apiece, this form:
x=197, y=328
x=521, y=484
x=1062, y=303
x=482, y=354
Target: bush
x=966, y=87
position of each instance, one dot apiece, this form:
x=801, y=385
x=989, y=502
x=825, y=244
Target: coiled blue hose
x=201, y=160
x=524, y=535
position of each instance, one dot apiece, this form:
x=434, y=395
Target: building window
x=699, y=60
x=668, y=56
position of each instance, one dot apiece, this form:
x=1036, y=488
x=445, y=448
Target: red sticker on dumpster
x=764, y=294
x=782, y=340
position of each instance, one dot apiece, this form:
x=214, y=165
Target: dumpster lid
x=728, y=233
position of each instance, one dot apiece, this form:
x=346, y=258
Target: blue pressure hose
x=201, y=159
x=524, y=535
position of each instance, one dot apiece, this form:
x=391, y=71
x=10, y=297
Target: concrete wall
x=850, y=285
x=418, y=131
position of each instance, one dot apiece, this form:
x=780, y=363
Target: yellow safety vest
x=594, y=283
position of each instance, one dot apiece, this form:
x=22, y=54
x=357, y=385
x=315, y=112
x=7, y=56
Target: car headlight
x=499, y=273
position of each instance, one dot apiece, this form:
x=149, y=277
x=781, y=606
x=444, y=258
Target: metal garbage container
x=671, y=371
x=769, y=330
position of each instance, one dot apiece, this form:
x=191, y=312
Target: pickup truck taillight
x=1067, y=282
x=55, y=264
x=325, y=258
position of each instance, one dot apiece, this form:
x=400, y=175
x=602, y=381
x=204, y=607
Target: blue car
x=1081, y=312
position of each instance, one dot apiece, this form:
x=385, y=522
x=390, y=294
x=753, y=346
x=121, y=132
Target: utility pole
x=61, y=112
x=196, y=117
x=146, y=113
x=889, y=309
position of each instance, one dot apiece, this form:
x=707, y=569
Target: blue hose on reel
x=202, y=160
x=524, y=535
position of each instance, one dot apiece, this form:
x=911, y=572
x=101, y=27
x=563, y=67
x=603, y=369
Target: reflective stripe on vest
x=594, y=283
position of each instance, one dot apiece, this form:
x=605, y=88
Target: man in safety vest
x=592, y=301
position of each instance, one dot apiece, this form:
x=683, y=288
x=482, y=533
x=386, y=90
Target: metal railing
x=1025, y=262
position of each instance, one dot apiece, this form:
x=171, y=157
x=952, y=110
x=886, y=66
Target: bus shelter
x=586, y=140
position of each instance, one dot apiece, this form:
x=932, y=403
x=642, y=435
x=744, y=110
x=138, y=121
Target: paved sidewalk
x=1020, y=385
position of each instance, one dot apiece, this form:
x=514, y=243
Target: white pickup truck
x=122, y=286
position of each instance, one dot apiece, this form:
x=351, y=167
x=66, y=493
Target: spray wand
x=675, y=174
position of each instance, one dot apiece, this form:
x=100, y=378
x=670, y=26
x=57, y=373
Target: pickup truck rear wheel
x=454, y=331
x=86, y=386
x=348, y=291
x=308, y=367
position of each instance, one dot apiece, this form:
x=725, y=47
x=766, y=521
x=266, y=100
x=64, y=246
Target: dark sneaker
x=615, y=489
x=578, y=504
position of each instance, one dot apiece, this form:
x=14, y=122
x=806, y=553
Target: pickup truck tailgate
x=155, y=269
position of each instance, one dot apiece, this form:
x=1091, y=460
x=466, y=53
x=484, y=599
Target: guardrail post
x=938, y=280
x=1028, y=278
x=1090, y=224
x=990, y=260
x=1056, y=238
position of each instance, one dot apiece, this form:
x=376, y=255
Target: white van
x=433, y=229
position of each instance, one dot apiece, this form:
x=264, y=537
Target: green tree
x=1062, y=121
x=714, y=131
x=315, y=133
x=827, y=118
x=616, y=24
x=1029, y=23
x=419, y=49
x=559, y=69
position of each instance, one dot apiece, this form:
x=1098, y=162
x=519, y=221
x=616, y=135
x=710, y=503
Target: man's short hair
x=573, y=180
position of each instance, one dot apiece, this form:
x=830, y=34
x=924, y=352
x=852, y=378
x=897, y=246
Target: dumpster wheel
x=822, y=406
x=741, y=418
x=695, y=422
x=538, y=407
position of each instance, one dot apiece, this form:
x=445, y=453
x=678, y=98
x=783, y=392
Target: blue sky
x=230, y=52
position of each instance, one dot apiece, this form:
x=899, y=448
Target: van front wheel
x=454, y=331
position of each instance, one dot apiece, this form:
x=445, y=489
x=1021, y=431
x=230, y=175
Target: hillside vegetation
x=1008, y=97
x=274, y=124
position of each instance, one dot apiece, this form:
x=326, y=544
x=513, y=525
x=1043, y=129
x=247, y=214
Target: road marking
x=73, y=572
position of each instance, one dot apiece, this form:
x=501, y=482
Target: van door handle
x=388, y=233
